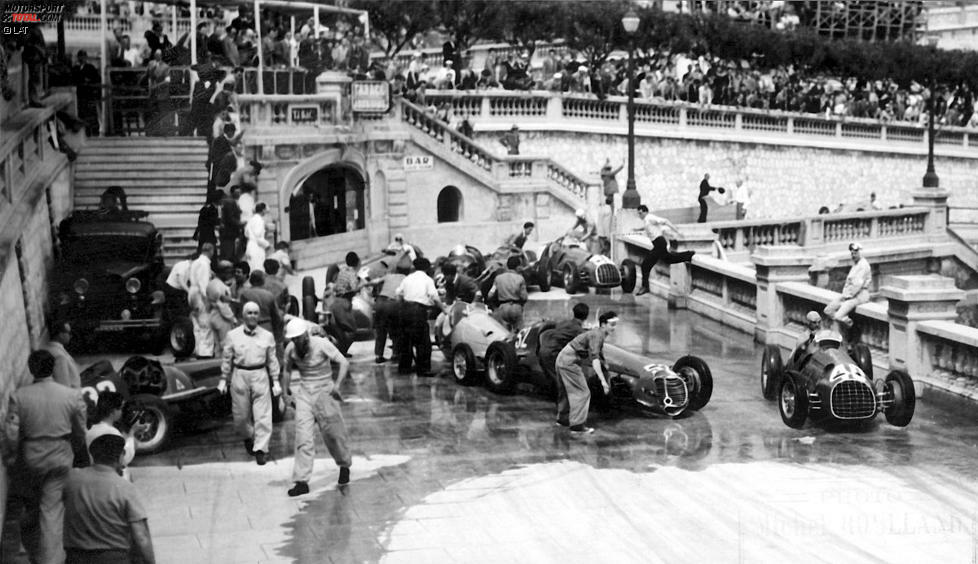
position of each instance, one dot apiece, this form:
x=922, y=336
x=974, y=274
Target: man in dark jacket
x=551, y=342
x=230, y=225
x=208, y=220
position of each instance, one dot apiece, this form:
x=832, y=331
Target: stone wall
x=783, y=180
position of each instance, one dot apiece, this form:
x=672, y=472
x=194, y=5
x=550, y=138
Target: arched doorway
x=449, y=204
x=330, y=201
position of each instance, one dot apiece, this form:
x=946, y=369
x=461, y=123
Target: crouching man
x=316, y=402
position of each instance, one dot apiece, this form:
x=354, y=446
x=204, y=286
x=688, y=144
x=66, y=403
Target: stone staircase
x=963, y=220
x=164, y=176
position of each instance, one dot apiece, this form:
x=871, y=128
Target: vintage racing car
x=575, y=268
x=826, y=381
x=163, y=395
x=108, y=284
x=478, y=340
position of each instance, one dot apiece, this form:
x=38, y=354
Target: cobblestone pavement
x=444, y=473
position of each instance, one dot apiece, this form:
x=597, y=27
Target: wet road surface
x=444, y=473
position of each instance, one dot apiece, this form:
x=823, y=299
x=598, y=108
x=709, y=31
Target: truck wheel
x=501, y=368
x=464, y=368
x=159, y=417
x=695, y=370
x=628, y=276
x=772, y=370
x=793, y=401
x=903, y=396
x=181, y=335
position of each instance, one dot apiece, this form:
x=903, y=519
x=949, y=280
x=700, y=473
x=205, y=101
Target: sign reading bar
x=419, y=162
x=308, y=113
x=371, y=96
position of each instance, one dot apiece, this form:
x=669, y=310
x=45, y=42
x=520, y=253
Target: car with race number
x=161, y=395
x=828, y=381
x=569, y=264
x=108, y=284
x=479, y=341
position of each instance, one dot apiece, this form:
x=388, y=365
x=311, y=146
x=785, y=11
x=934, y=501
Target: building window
x=449, y=204
x=330, y=201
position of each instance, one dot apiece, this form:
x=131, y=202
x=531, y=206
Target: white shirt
x=102, y=428
x=246, y=202
x=179, y=277
x=655, y=226
x=858, y=279
x=200, y=274
x=418, y=287
x=255, y=230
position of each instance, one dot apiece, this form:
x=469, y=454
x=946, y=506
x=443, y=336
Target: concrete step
x=134, y=175
x=96, y=160
x=175, y=202
x=189, y=188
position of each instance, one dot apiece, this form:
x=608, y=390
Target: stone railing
x=91, y=23
x=495, y=109
x=722, y=286
x=735, y=236
x=952, y=351
x=310, y=110
x=505, y=168
x=25, y=141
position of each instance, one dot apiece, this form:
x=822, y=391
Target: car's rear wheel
x=182, y=341
x=308, y=286
x=697, y=372
x=543, y=279
x=628, y=276
x=772, y=370
x=793, y=401
x=463, y=365
x=159, y=418
x=903, y=396
x=863, y=358
x=571, y=279
x=501, y=368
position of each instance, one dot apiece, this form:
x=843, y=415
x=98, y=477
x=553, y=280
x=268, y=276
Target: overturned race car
x=827, y=382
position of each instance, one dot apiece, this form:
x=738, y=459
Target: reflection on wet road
x=452, y=474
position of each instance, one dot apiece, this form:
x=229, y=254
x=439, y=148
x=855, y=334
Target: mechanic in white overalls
x=316, y=402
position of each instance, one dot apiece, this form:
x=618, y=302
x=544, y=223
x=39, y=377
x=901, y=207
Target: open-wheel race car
x=108, y=285
x=572, y=266
x=162, y=395
x=826, y=381
x=478, y=340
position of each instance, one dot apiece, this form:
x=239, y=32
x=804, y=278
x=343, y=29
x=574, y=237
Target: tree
x=394, y=24
x=469, y=20
x=523, y=24
x=594, y=28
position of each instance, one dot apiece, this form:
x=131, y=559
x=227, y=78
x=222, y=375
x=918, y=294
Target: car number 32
x=91, y=393
x=521, y=338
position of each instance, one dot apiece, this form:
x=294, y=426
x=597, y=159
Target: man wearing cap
x=583, y=230
x=510, y=288
x=856, y=289
x=316, y=402
x=813, y=322
x=222, y=318
x=418, y=293
x=48, y=420
x=249, y=360
x=588, y=346
x=105, y=521
x=398, y=245
x=511, y=140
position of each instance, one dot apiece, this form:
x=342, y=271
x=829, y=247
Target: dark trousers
x=702, y=217
x=386, y=324
x=548, y=362
x=417, y=338
x=660, y=251
x=229, y=244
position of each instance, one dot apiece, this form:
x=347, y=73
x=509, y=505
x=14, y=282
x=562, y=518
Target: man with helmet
x=582, y=231
x=316, y=402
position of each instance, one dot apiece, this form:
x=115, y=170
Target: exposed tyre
x=181, y=336
x=863, y=358
x=793, y=401
x=903, y=398
x=629, y=276
x=501, y=368
x=293, y=306
x=570, y=278
x=308, y=286
x=309, y=308
x=159, y=418
x=543, y=281
x=531, y=257
x=695, y=370
x=464, y=368
x=772, y=370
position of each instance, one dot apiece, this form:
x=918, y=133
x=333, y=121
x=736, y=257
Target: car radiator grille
x=853, y=400
x=607, y=275
x=676, y=388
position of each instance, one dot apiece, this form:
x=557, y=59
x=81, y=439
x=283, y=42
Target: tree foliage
x=524, y=24
x=469, y=20
x=594, y=28
x=394, y=24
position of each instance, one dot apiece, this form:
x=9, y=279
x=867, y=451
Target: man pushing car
x=570, y=362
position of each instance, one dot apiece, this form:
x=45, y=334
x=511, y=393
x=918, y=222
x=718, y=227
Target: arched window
x=449, y=204
x=328, y=202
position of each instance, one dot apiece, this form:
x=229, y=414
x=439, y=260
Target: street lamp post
x=930, y=177
x=631, y=199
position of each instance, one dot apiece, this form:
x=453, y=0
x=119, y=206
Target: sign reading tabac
x=371, y=96
x=419, y=162
x=307, y=113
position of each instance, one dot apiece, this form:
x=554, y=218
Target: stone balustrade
x=310, y=110
x=91, y=23
x=496, y=109
x=737, y=236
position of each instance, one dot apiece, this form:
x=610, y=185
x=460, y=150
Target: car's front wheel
x=696, y=372
x=182, y=341
x=463, y=365
x=793, y=401
x=158, y=418
x=629, y=276
x=501, y=367
x=771, y=372
x=571, y=279
x=903, y=398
